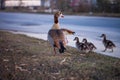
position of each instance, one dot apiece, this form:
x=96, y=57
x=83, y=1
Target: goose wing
x=56, y=34
x=91, y=45
x=110, y=43
x=82, y=46
x=67, y=31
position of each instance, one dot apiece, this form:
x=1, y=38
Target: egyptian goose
x=56, y=36
x=107, y=43
x=81, y=46
x=90, y=45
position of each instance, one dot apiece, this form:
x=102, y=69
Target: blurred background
x=67, y=6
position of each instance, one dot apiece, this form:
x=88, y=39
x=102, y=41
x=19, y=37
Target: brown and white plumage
x=56, y=36
x=57, y=39
x=67, y=31
x=107, y=43
x=81, y=46
x=90, y=45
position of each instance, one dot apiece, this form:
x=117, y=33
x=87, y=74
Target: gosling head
x=103, y=35
x=76, y=39
x=84, y=40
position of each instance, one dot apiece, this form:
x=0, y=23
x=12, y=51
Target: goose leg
x=105, y=50
x=91, y=49
x=112, y=50
x=54, y=50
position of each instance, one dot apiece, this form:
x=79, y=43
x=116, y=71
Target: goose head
x=76, y=39
x=58, y=14
x=84, y=40
x=103, y=35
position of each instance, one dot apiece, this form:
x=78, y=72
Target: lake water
x=37, y=25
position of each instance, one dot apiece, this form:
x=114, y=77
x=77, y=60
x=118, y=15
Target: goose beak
x=62, y=16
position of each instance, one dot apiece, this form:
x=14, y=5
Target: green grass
x=27, y=58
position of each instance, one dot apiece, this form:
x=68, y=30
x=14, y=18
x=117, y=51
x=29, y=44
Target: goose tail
x=114, y=45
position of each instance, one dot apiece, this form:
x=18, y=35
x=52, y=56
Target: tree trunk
x=2, y=4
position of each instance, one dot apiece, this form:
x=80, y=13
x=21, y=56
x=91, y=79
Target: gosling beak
x=74, y=39
x=101, y=36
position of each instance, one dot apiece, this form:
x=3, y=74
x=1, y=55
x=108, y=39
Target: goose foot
x=104, y=50
x=111, y=51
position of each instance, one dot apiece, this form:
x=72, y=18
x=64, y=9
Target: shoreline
x=25, y=56
x=71, y=43
x=114, y=15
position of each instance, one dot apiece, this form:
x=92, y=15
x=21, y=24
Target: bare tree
x=2, y=4
x=63, y=5
x=20, y=3
x=43, y=3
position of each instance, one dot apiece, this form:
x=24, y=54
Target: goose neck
x=104, y=38
x=56, y=20
x=78, y=41
x=85, y=41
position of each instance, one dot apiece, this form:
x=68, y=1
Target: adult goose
x=57, y=36
x=107, y=43
x=81, y=46
x=90, y=45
